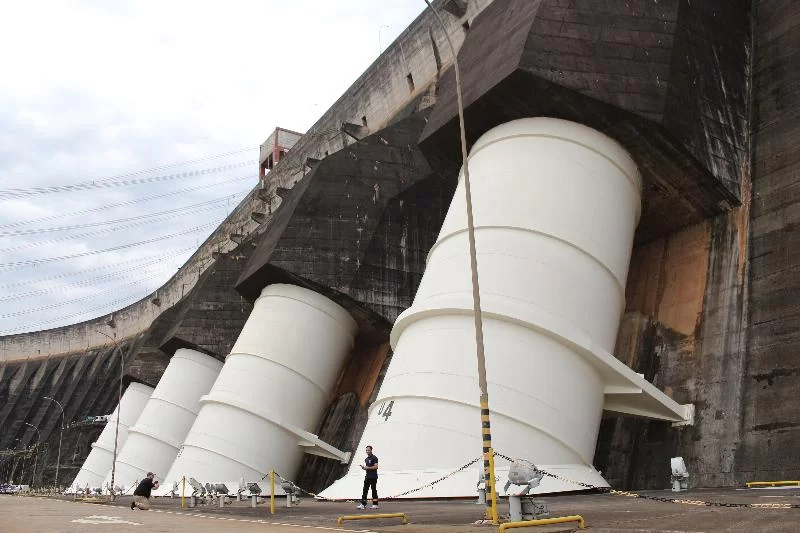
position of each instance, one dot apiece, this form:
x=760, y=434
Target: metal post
x=16, y=461
x=271, y=492
x=491, y=503
x=36, y=459
x=60, y=438
x=119, y=409
x=183, y=489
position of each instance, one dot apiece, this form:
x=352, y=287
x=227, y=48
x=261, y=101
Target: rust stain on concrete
x=741, y=215
x=668, y=276
x=362, y=371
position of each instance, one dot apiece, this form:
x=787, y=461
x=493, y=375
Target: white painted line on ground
x=102, y=519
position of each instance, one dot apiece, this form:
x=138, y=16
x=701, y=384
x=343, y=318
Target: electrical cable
x=170, y=165
x=62, y=303
x=177, y=210
x=97, y=280
x=34, y=262
x=135, y=296
x=157, y=257
x=125, y=203
x=10, y=194
x=112, y=229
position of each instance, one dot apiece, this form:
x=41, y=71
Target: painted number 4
x=385, y=410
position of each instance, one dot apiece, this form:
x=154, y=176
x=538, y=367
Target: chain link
x=434, y=482
x=701, y=503
x=406, y=493
x=606, y=490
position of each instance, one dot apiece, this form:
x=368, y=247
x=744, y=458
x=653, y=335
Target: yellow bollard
x=545, y=522
x=183, y=489
x=752, y=484
x=494, y=489
x=371, y=517
x=272, y=492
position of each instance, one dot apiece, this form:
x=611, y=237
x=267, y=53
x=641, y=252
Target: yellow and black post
x=488, y=463
x=488, y=459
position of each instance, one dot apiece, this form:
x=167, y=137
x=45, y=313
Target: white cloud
x=92, y=89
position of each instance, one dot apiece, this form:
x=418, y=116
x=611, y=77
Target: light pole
x=36, y=459
x=119, y=409
x=60, y=436
x=13, y=464
x=17, y=461
x=486, y=434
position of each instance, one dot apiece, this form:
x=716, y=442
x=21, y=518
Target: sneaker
x=133, y=506
x=374, y=507
x=360, y=506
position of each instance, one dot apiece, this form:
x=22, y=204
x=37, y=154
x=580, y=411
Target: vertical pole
x=183, y=489
x=116, y=429
x=486, y=432
x=60, y=436
x=494, y=488
x=271, y=492
x=119, y=410
x=58, y=460
x=35, y=462
x=36, y=457
x=22, y=473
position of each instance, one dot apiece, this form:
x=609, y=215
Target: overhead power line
x=136, y=261
x=34, y=262
x=177, y=210
x=108, y=306
x=112, y=229
x=97, y=280
x=126, y=202
x=170, y=165
x=178, y=164
x=9, y=194
x=62, y=303
x=105, y=231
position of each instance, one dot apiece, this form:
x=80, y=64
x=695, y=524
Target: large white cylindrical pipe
x=278, y=379
x=100, y=460
x=153, y=442
x=555, y=209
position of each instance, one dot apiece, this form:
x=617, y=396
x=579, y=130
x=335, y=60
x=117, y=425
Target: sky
x=174, y=98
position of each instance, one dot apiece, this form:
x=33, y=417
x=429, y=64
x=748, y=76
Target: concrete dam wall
x=704, y=100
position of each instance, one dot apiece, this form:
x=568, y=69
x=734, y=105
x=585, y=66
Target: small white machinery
x=198, y=491
x=292, y=493
x=680, y=475
x=521, y=506
x=481, y=486
x=255, y=493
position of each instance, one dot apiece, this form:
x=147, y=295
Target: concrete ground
x=602, y=512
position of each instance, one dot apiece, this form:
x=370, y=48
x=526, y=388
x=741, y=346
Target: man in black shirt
x=370, y=466
x=141, y=496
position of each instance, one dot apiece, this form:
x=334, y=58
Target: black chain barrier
x=434, y=482
x=682, y=501
x=406, y=493
x=605, y=490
